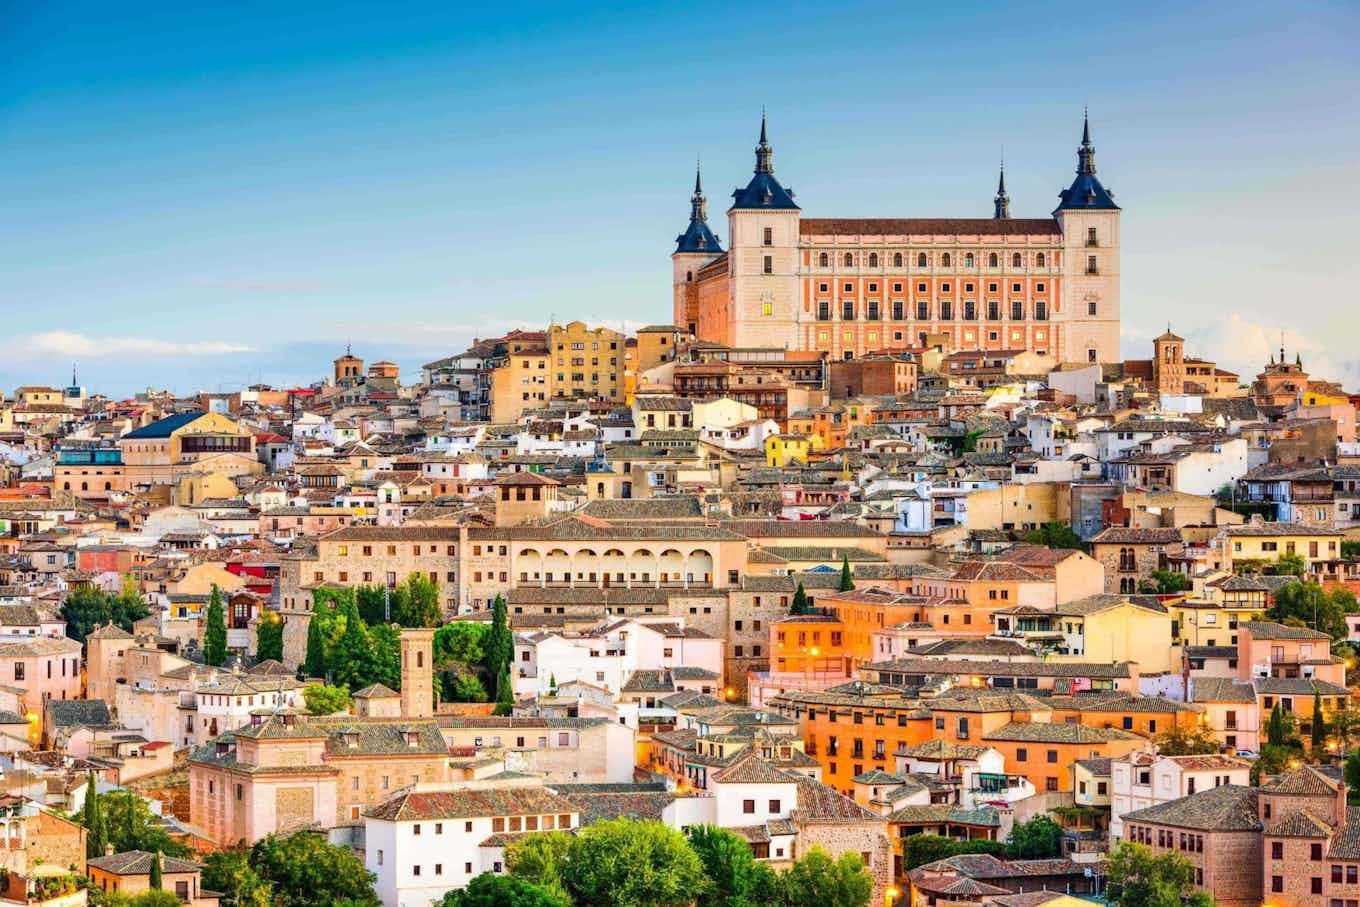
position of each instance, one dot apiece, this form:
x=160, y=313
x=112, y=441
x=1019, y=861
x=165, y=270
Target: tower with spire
x=762, y=260
x=1001, y=205
x=1089, y=220
x=695, y=248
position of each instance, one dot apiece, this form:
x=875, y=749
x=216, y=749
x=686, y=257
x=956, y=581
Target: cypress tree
x=155, y=881
x=353, y=653
x=130, y=825
x=315, y=663
x=1319, y=725
x=800, y=599
x=96, y=834
x=505, y=693
x=500, y=644
x=215, y=635
x=847, y=578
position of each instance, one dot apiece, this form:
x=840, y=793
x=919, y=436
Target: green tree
x=1290, y=564
x=420, y=603
x=1322, y=609
x=326, y=700
x=1180, y=741
x=269, y=636
x=1351, y=772
x=156, y=898
x=1318, y=735
x=92, y=817
x=1139, y=878
x=816, y=880
x=229, y=872
x=1055, y=535
x=464, y=687
x=632, y=863
x=538, y=859
x=86, y=607
x=1350, y=549
x=351, y=661
x=385, y=656
x=1164, y=582
x=800, y=599
x=491, y=890
x=1038, y=839
x=847, y=578
x=462, y=641
x=500, y=643
x=315, y=663
x=130, y=825
x=505, y=692
x=215, y=634
x=304, y=870
x=728, y=864
x=155, y=878
x=1345, y=722
x=917, y=850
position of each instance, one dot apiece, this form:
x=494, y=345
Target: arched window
x=945, y=260
x=992, y=260
x=873, y=259
x=66, y=486
x=921, y=260
x=689, y=276
x=1039, y=260
x=1015, y=260
x=84, y=486
x=968, y=260
x=108, y=486
x=823, y=260
x=849, y=260
x=897, y=259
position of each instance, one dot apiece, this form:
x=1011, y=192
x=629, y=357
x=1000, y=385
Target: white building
x=428, y=840
x=1144, y=779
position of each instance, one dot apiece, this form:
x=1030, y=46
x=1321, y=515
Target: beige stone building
x=585, y=362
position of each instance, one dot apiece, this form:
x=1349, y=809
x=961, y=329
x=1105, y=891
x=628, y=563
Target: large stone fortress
x=854, y=286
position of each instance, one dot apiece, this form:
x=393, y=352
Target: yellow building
x=159, y=453
x=1266, y=542
x=520, y=383
x=781, y=450
x=585, y=362
x=1106, y=629
x=1023, y=506
x=201, y=486
x=1201, y=622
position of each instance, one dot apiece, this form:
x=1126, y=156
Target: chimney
x=108, y=850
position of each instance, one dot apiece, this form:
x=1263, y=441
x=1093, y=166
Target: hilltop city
x=870, y=574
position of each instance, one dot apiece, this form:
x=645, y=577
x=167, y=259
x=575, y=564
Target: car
x=1246, y=754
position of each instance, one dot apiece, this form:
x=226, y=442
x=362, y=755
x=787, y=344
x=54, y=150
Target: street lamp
x=890, y=896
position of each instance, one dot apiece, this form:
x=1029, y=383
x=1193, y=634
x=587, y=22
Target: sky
x=204, y=195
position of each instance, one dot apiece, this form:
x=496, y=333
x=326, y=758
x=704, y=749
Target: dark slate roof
x=80, y=712
x=698, y=238
x=1226, y=808
x=138, y=862
x=763, y=192
x=1086, y=192
x=162, y=428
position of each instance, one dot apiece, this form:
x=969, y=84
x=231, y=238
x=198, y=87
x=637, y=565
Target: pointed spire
x=1086, y=154
x=1001, y=205
x=764, y=153
x=698, y=205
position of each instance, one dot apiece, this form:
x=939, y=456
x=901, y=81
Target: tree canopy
x=86, y=607
x=1055, y=535
x=1180, y=741
x=229, y=872
x=1307, y=602
x=1164, y=582
x=269, y=636
x=1038, y=839
x=491, y=890
x=303, y=870
x=1140, y=878
x=326, y=700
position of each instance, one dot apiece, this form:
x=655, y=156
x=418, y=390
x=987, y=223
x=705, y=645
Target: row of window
x=923, y=287
x=967, y=312
x=923, y=260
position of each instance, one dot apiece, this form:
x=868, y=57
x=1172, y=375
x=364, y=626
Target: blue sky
x=200, y=195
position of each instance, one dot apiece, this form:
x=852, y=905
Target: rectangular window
x=769, y=264
x=769, y=236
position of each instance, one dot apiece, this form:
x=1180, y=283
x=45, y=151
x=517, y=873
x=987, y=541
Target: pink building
x=43, y=667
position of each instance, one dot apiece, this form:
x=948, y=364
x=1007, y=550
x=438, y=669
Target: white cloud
x=83, y=346
x=1245, y=346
